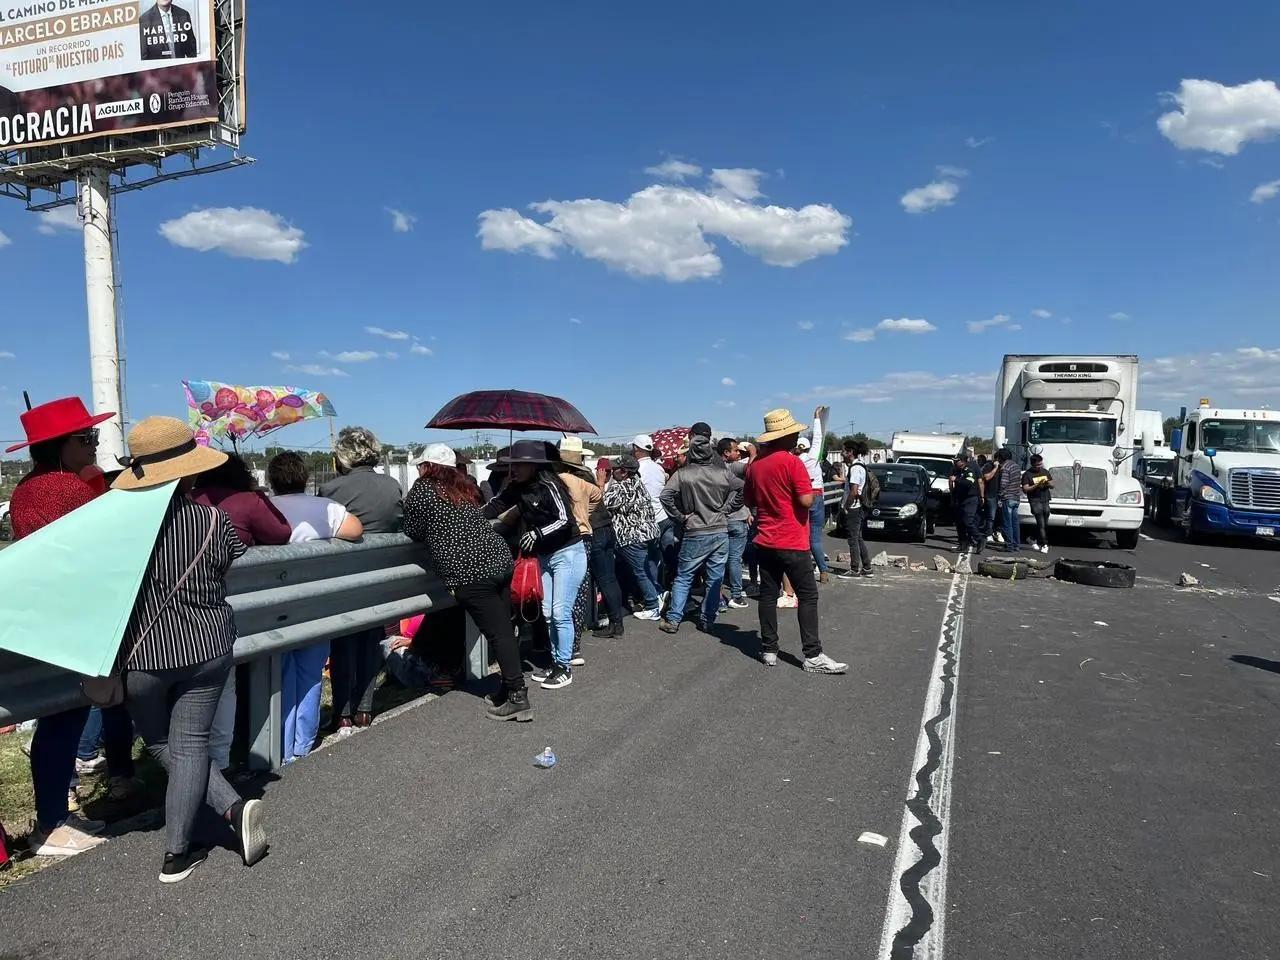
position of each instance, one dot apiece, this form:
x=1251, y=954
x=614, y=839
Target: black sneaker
x=867, y=573
x=178, y=866
x=557, y=678
x=610, y=632
x=541, y=673
x=246, y=820
x=849, y=575
x=515, y=706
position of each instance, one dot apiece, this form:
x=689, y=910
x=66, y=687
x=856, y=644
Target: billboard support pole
x=100, y=294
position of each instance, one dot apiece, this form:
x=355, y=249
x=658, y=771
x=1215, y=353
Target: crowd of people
x=656, y=544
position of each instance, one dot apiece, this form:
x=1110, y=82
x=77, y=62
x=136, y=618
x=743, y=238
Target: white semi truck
x=936, y=452
x=1227, y=477
x=1078, y=413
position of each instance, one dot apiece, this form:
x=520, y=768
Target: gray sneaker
x=769, y=658
x=824, y=664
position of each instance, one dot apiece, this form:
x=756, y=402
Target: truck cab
x=936, y=453
x=1228, y=472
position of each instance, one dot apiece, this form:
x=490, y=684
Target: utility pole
x=100, y=296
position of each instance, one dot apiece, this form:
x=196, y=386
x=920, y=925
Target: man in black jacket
x=167, y=32
x=699, y=497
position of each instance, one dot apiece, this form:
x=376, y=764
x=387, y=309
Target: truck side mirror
x=1211, y=452
x=1176, y=441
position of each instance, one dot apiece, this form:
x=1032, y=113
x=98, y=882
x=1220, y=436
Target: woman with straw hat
x=176, y=652
x=780, y=492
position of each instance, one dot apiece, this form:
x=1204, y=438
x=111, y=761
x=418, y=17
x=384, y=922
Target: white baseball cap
x=643, y=441
x=437, y=453
x=802, y=443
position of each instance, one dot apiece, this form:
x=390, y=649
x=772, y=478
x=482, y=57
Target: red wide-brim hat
x=57, y=418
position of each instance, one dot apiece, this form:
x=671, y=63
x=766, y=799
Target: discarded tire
x=1005, y=569
x=1096, y=573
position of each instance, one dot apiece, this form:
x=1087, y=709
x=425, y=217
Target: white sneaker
x=788, y=601
x=647, y=615
x=769, y=659
x=824, y=664
x=64, y=840
x=86, y=767
x=738, y=604
x=1044, y=548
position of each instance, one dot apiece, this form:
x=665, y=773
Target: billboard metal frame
x=27, y=174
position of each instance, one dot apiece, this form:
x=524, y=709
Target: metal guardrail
x=285, y=598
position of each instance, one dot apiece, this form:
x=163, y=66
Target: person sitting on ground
x=302, y=670
x=176, y=651
x=475, y=564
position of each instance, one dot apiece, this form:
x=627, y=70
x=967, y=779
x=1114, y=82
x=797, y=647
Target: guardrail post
x=477, y=651
x=266, y=727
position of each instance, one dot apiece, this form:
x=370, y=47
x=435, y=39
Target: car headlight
x=1209, y=495
x=1133, y=496
x=910, y=510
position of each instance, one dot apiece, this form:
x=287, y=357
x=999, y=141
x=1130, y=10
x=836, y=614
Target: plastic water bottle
x=546, y=759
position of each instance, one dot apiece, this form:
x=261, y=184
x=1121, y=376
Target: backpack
x=828, y=471
x=870, y=491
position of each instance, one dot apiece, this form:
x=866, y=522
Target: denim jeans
x=301, y=676
x=669, y=548
x=818, y=520
x=603, y=547
x=224, y=724
x=174, y=711
x=53, y=763
x=643, y=560
x=355, y=663
x=993, y=508
x=562, y=576
x=1012, y=528
x=737, y=548
x=1040, y=513
x=111, y=728
x=859, y=555
x=711, y=549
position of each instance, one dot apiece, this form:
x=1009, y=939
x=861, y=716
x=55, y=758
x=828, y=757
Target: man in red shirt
x=780, y=492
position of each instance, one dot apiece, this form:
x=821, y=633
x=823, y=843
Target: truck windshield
x=1100, y=430
x=937, y=466
x=1240, y=436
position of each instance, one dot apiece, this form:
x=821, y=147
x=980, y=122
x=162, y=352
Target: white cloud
x=351, y=356
x=727, y=404
x=391, y=355
x=1119, y=315
x=575, y=320
x=280, y=355
x=739, y=183
x=389, y=334
x=1042, y=313
x=906, y=326
x=1244, y=377
x=1265, y=192
x=974, y=142
x=728, y=382
x=999, y=320
x=317, y=370
x=957, y=388
x=66, y=217
x=806, y=324
x=939, y=193
x=4, y=241
x=245, y=232
x=861, y=336
x=673, y=169
x=663, y=230
x=419, y=350
x=6, y=355
x=952, y=173
x=1222, y=119
x=401, y=222
x=875, y=399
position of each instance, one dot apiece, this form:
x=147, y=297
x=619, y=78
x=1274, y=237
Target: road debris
x=1187, y=580
x=874, y=839
x=1101, y=623
x=942, y=564
x=1084, y=661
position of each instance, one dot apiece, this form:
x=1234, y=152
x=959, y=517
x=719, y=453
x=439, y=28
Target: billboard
x=76, y=69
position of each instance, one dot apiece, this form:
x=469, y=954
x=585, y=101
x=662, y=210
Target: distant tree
x=979, y=444
x=1170, y=424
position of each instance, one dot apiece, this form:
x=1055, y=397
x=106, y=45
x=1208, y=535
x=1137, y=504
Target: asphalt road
x=1105, y=787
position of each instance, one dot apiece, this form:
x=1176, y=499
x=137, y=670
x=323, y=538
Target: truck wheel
x=1127, y=539
x=1189, y=533
x=1092, y=573
x=1162, y=509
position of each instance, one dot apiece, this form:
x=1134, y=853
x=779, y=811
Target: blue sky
x=1036, y=134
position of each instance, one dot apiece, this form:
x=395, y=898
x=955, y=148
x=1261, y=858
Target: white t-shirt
x=815, y=469
x=312, y=518
x=654, y=479
x=857, y=478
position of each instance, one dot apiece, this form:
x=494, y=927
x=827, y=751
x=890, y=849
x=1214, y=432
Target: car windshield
x=902, y=479
x=1094, y=430
x=1240, y=436
x=937, y=466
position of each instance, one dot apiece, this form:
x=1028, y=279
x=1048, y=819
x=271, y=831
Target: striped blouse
x=197, y=625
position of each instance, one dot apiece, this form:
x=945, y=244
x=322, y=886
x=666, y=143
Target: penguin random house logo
x=155, y=103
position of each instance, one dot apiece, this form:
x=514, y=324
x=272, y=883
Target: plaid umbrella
x=512, y=409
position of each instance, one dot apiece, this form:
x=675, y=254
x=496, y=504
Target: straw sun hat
x=778, y=424
x=162, y=449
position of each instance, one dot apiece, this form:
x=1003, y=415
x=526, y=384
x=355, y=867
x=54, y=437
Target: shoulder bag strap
x=204, y=547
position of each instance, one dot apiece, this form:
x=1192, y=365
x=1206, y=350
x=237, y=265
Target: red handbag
x=526, y=586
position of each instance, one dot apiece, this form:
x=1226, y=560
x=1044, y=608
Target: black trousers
x=603, y=550
x=968, y=527
x=798, y=567
x=354, y=664
x=488, y=602
x=1040, y=512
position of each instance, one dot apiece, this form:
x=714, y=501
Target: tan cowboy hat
x=162, y=449
x=778, y=424
x=571, y=449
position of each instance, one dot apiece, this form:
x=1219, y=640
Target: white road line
x=1145, y=537
x=1275, y=598
x=918, y=942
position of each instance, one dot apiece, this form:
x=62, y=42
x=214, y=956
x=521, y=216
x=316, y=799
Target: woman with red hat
x=63, y=438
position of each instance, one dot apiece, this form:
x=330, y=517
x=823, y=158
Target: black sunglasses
x=87, y=437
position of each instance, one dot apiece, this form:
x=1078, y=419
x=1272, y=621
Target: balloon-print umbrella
x=223, y=411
